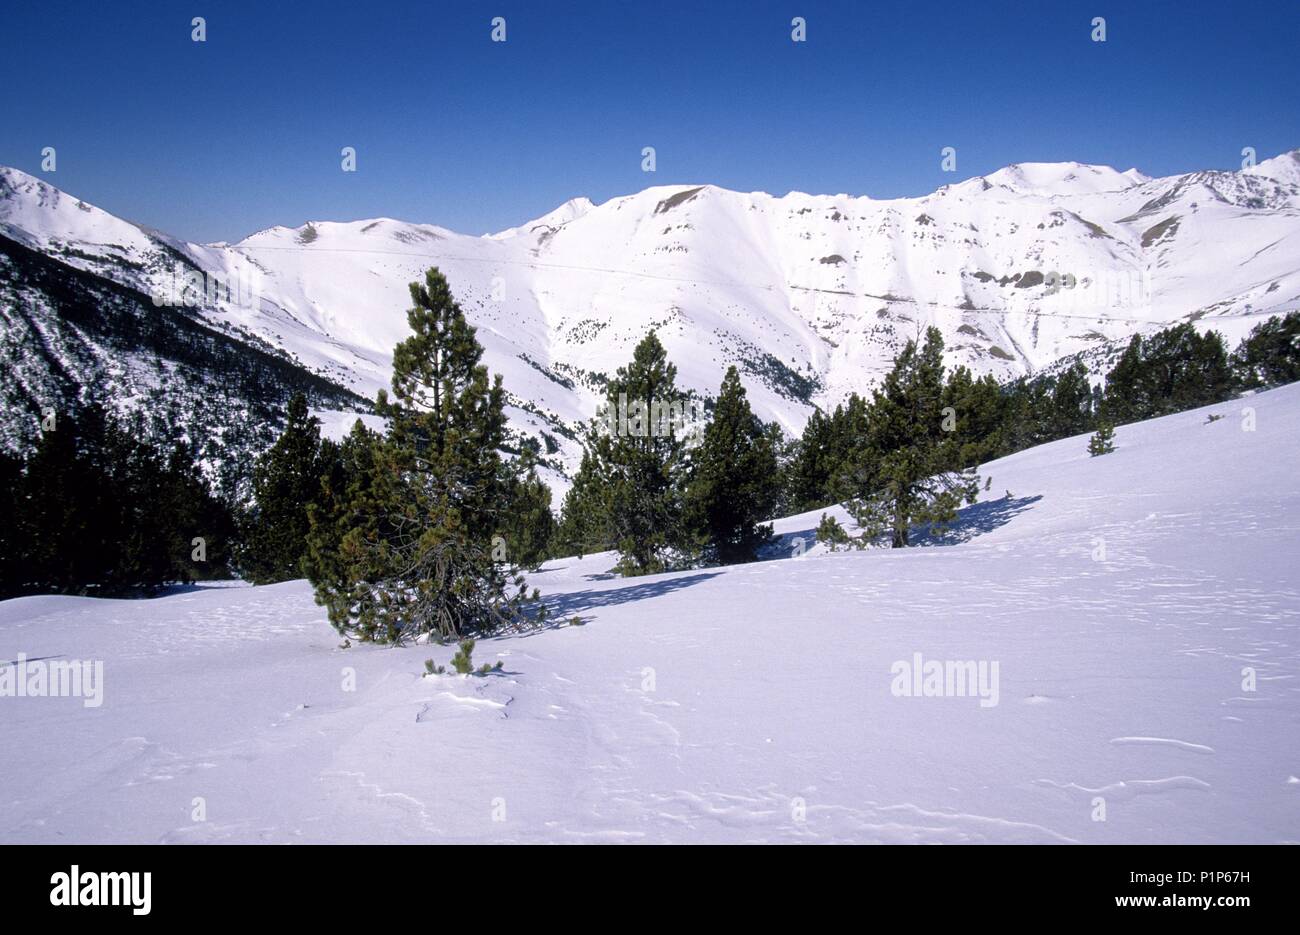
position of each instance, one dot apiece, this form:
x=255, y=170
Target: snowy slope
x=750, y=703
x=811, y=295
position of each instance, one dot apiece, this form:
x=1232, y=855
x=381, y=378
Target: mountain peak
x=1063, y=178
x=1282, y=168
x=571, y=210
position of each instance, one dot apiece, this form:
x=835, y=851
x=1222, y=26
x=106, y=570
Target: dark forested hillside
x=69, y=337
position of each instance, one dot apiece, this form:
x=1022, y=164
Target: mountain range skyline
x=810, y=296
x=1025, y=176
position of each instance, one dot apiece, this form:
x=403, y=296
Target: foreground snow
x=750, y=703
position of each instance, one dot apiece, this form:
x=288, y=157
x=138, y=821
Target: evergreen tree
x=820, y=467
x=1270, y=354
x=585, y=526
x=848, y=427
x=832, y=533
x=1102, y=441
x=1206, y=375
x=734, y=483
x=1071, y=403
x=1170, y=371
x=977, y=415
x=639, y=454
x=528, y=527
x=1026, y=407
x=98, y=511
x=75, y=509
x=286, y=481
x=418, y=559
x=348, y=478
x=908, y=468
x=200, y=529
x=1127, y=395
x=809, y=469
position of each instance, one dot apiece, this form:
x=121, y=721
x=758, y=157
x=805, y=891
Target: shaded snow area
x=1140, y=611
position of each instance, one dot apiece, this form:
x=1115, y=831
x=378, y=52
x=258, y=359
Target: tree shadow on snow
x=560, y=608
x=972, y=521
x=975, y=520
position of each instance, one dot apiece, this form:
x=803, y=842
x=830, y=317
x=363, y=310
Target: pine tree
x=584, y=526
x=1071, y=403
x=908, y=469
x=1209, y=378
x=286, y=481
x=528, y=527
x=348, y=477
x=1026, y=415
x=819, y=471
x=1102, y=441
x=147, y=554
x=74, y=509
x=1270, y=354
x=976, y=411
x=416, y=557
x=1127, y=397
x=639, y=454
x=809, y=470
x=97, y=510
x=200, y=528
x=832, y=533
x=1170, y=371
x=734, y=483
x=848, y=427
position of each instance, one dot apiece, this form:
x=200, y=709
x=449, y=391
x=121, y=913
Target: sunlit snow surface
x=750, y=703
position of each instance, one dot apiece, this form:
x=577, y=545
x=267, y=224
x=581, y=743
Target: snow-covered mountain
x=1136, y=616
x=811, y=295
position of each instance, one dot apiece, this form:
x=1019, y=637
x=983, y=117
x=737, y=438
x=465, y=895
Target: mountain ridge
x=811, y=296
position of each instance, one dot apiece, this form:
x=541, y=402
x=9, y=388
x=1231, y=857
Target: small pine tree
x=832, y=533
x=734, y=483
x=286, y=482
x=463, y=661
x=908, y=470
x=1102, y=441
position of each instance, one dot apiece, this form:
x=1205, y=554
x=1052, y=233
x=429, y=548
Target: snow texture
x=1122, y=598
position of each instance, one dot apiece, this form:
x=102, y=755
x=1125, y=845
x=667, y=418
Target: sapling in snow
x=1102, y=441
x=831, y=532
x=463, y=661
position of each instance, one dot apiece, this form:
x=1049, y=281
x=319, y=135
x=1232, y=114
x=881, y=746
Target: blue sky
x=216, y=140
